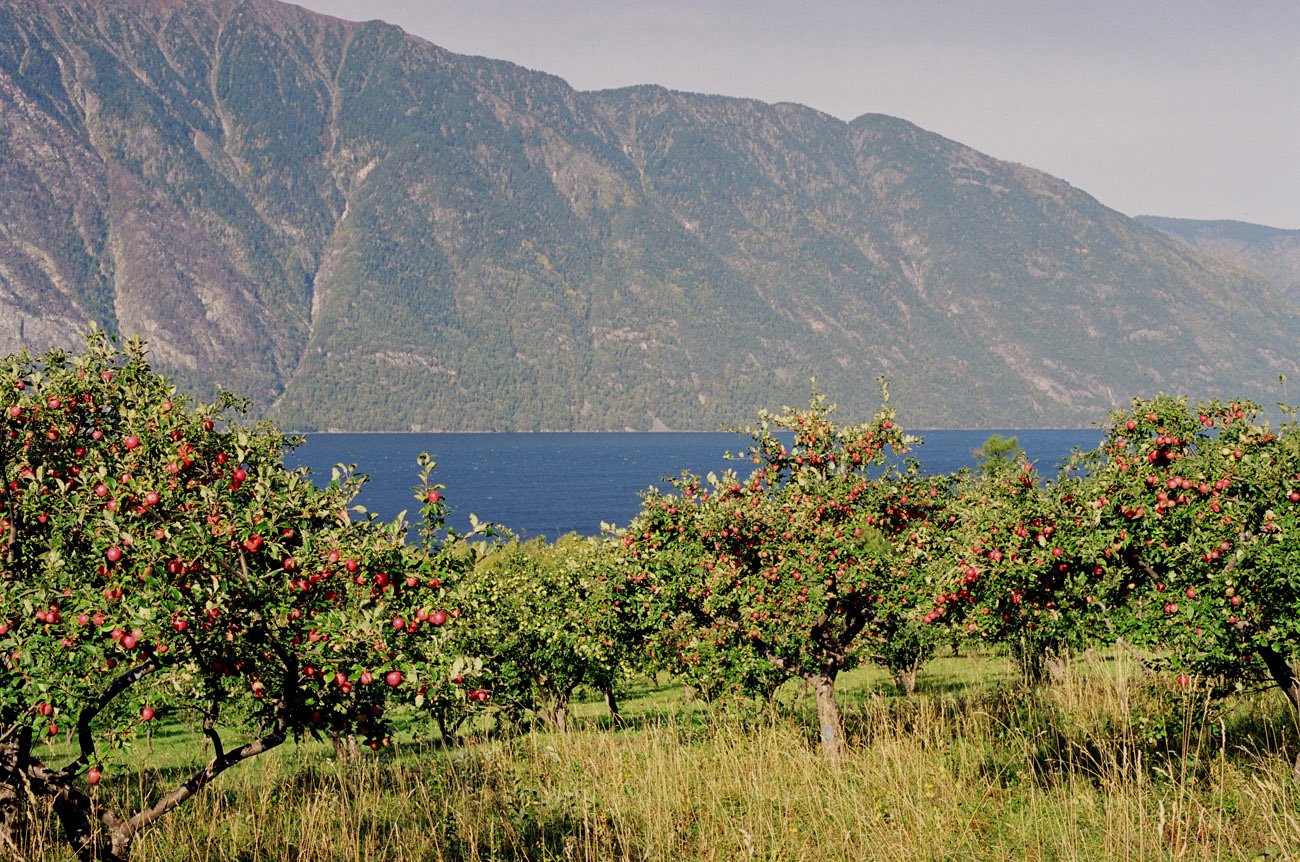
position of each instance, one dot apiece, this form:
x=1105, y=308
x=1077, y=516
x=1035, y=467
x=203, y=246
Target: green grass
x=1103, y=763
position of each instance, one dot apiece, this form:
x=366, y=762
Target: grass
x=1103, y=764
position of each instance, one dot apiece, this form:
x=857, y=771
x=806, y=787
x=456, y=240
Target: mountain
x=1269, y=251
x=363, y=231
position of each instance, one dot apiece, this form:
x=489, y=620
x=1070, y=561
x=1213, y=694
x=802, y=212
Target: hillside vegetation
x=1272, y=252
x=363, y=231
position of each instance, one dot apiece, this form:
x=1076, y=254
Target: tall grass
x=1103, y=764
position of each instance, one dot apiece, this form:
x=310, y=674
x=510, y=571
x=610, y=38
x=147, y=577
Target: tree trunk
x=13, y=809
x=446, y=731
x=346, y=748
x=13, y=819
x=905, y=680
x=77, y=815
x=1280, y=669
x=830, y=728
x=1030, y=660
x=1056, y=663
x=611, y=701
x=555, y=712
x=94, y=834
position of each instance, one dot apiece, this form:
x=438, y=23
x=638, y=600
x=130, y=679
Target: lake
x=556, y=483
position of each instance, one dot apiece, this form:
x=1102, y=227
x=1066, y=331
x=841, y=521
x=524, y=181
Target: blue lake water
x=552, y=484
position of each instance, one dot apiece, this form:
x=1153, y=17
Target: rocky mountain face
x=362, y=231
x=1268, y=251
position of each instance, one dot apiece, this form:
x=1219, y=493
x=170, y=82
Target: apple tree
x=541, y=620
x=1197, y=512
x=451, y=686
x=1019, y=565
x=712, y=662
x=901, y=644
x=793, y=562
x=159, y=563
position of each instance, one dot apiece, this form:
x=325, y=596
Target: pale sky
x=1185, y=108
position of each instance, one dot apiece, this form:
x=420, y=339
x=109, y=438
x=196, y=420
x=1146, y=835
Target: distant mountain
x=363, y=231
x=1272, y=252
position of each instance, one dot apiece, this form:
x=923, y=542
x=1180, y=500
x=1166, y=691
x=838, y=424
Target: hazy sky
x=1186, y=108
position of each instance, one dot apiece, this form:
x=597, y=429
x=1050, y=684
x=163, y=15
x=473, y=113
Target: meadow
x=1102, y=762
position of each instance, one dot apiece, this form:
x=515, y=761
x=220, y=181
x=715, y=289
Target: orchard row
x=157, y=561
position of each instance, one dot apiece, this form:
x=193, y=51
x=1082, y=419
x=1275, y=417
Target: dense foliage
x=159, y=562
x=1013, y=570
x=789, y=565
x=1197, y=508
x=1178, y=533
x=539, y=622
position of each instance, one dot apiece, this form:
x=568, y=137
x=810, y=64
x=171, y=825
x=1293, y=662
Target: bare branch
x=210, y=731
x=85, y=738
x=12, y=555
x=1127, y=647
x=201, y=779
x=1137, y=561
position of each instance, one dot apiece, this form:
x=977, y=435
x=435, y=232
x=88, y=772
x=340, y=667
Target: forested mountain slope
x=363, y=231
x=1269, y=251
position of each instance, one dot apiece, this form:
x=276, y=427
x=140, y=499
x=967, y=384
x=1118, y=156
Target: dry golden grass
x=1101, y=765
